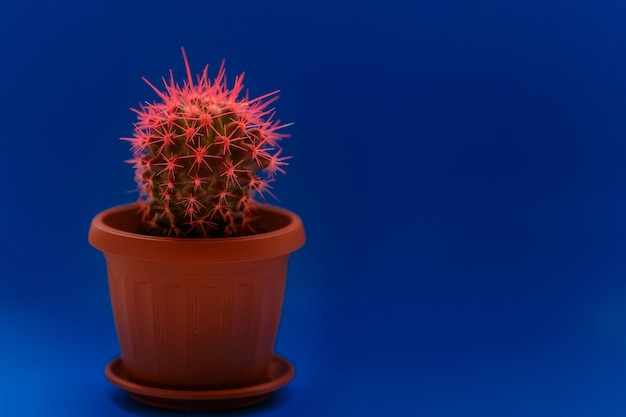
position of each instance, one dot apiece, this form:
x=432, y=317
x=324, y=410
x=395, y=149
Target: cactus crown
x=202, y=153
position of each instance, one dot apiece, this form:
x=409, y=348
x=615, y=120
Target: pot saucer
x=280, y=372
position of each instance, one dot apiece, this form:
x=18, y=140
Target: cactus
x=202, y=154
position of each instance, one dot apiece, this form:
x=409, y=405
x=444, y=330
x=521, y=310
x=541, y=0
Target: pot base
x=280, y=372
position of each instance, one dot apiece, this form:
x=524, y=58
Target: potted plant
x=197, y=267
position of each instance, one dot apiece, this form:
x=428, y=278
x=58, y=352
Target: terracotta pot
x=197, y=319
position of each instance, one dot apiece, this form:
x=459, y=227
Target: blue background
x=460, y=167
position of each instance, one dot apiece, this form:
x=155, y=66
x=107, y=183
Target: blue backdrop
x=460, y=168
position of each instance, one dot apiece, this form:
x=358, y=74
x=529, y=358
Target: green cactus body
x=202, y=154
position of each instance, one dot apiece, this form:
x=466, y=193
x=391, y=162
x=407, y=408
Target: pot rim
x=113, y=240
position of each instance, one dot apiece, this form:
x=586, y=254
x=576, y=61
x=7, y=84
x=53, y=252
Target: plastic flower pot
x=197, y=319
